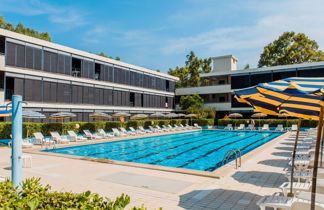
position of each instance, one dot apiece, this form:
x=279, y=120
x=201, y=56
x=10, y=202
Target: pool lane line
x=201, y=145
x=120, y=145
x=165, y=141
x=219, y=164
x=207, y=136
x=212, y=151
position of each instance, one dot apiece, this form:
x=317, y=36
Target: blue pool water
x=199, y=150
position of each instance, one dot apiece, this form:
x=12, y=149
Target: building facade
x=55, y=78
x=218, y=85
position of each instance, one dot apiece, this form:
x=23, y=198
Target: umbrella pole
x=291, y=194
x=317, y=149
x=322, y=146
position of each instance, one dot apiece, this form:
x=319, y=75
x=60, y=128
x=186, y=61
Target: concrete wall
x=204, y=90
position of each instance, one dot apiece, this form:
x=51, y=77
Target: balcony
x=204, y=90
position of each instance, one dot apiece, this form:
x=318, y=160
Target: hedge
x=78, y=127
x=271, y=122
x=33, y=195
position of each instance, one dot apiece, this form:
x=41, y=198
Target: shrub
x=271, y=122
x=113, y=124
x=203, y=122
x=33, y=195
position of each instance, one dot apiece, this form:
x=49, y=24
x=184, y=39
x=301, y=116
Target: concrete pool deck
x=262, y=173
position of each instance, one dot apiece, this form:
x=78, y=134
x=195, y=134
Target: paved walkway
x=261, y=174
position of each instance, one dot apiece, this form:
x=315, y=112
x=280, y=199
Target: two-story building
x=218, y=85
x=54, y=78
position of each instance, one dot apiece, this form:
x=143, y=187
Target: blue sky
x=159, y=34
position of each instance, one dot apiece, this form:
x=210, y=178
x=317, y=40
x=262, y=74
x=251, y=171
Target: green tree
x=20, y=28
x=107, y=56
x=189, y=75
x=247, y=66
x=191, y=101
x=290, y=48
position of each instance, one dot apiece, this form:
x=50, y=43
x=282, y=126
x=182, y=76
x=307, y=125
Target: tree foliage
x=290, y=48
x=189, y=75
x=20, y=28
x=107, y=56
x=191, y=101
x=33, y=195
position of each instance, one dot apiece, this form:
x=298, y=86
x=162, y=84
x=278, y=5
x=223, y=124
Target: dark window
x=115, y=97
x=91, y=95
x=241, y=81
x=260, y=78
x=167, y=85
x=97, y=75
x=2, y=44
x=76, y=67
x=171, y=86
x=47, y=61
x=311, y=73
x=116, y=75
x=222, y=99
x=67, y=65
x=64, y=91
x=91, y=68
x=19, y=86
x=20, y=60
x=111, y=74
x=29, y=57
x=221, y=82
x=61, y=64
x=85, y=69
x=108, y=97
x=77, y=94
x=28, y=90
x=37, y=59
x=50, y=92
x=86, y=95
x=96, y=96
x=10, y=88
x=132, y=99
x=11, y=54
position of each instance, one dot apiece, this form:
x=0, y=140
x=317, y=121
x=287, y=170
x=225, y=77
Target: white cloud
x=65, y=16
x=292, y=15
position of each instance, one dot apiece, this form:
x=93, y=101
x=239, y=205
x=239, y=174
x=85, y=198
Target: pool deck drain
x=263, y=167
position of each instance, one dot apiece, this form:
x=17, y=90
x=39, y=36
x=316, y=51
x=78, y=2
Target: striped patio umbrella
x=259, y=115
x=121, y=115
x=300, y=97
x=99, y=115
x=138, y=116
x=157, y=114
x=32, y=115
x=171, y=115
x=62, y=116
x=5, y=111
x=181, y=115
x=191, y=115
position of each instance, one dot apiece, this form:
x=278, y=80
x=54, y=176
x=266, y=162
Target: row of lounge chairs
x=302, y=182
x=265, y=127
x=56, y=138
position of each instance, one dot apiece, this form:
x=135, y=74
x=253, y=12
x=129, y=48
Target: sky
x=159, y=34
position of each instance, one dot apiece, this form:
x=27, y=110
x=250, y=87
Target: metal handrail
x=230, y=154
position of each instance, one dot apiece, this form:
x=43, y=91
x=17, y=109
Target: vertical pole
x=291, y=194
x=317, y=149
x=321, y=164
x=16, y=130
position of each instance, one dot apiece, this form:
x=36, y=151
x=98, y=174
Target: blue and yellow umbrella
x=100, y=115
x=5, y=111
x=296, y=97
x=138, y=116
x=32, y=115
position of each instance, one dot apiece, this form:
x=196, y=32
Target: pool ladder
x=233, y=153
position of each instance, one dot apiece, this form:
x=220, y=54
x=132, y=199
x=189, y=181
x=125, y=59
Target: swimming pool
x=200, y=150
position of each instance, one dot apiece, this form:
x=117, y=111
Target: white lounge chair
x=229, y=127
x=197, y=126
x=167, y=128
x=127, y=132
x=241, y=127
x=183, y=127
x=116, y=132
x=104, y=134
x=91, y=136
x=250, y=127
x=143, y=130
x=301, y=202
x=189, y=126
x=74, y=137
x=139, y=132
x=265, y=127
x=159, y=128
x=294, y=127
x=58, y=138
x=279, y=127
x=172, y=128
x=177, y=127
x=25, y=143
x=44, y=141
